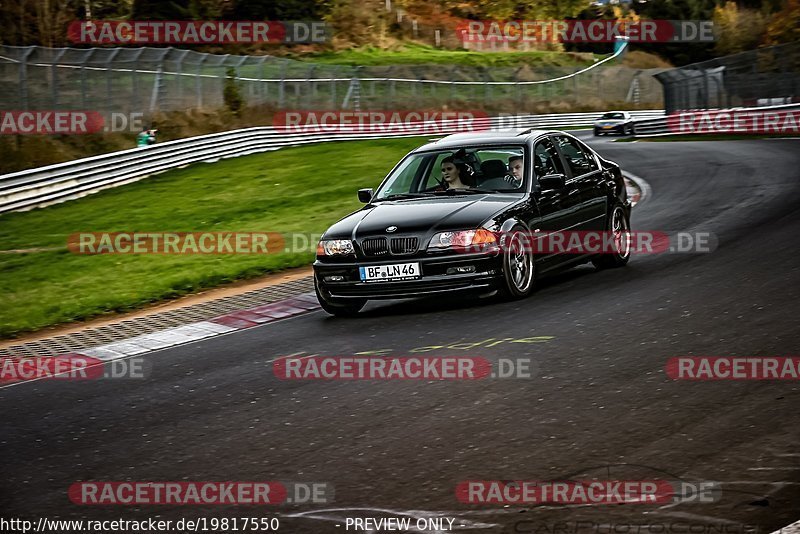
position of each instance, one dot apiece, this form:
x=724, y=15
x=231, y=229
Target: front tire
x=519, y=267
x=339, y=307
x=619, y=225
x=596, y=132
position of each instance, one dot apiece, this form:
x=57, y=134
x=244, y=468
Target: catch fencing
x=764, y=76
x=66, y=181
x=148, y=80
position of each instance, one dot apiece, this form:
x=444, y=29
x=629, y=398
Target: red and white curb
x=223, y=324
x=639, y=191
x=170, y=337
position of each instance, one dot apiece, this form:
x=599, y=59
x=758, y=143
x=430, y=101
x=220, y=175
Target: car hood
x=422, y=216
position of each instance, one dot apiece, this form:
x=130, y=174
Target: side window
x=579, y=160
x=546, y=160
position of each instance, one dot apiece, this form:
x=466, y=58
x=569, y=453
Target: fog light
x=461, y=270
x=334, y=278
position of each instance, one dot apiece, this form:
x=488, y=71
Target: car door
x=585, y=197
x=553, y=214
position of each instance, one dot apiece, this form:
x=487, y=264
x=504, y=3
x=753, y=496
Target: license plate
x=607, y=127
x=395, y=271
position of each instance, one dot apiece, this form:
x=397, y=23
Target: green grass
x=290, y=190
x=413, y=54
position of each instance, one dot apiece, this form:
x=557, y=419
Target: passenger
x=455, y=175
x=515, y=169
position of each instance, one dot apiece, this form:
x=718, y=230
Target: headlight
x=334, y=247
x=463, y=239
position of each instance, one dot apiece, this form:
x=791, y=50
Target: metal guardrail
x=44, y=186
x=660, y=126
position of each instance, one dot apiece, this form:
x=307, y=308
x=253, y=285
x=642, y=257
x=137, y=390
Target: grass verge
x=416, y=54
x=290, y=190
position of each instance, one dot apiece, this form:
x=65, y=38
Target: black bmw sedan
x=456, y=215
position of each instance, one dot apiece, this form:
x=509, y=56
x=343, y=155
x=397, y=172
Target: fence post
x=179, y=79
x=197, y=82
x=83, y=78
x=158, y=83
x=23, y=77
x=109, y=78
x=263, y=86
x=54, y=71
x=135, y=96
x=312, y=93
x=282, y=85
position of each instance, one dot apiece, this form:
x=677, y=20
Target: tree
x=161, y=10
x=784, y=26
x=737, y=29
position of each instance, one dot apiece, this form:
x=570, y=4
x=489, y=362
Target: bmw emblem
x=391, y=229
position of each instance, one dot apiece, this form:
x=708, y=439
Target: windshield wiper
x=400, y=196
x=469, y=191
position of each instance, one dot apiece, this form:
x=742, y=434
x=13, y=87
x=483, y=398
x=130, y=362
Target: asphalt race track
x=598, y=403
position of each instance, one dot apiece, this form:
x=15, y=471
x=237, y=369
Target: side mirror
x=552, y=181
x=365, y=195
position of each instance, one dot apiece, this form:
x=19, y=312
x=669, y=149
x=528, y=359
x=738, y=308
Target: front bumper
x=617, y=128
x=434, y=278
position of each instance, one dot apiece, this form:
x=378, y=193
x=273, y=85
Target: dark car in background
x=616, y=122
x=418, y=237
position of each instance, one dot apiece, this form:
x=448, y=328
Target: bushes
x=234, y=100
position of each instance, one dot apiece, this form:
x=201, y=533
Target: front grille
x=375, y=246
x=404, y=245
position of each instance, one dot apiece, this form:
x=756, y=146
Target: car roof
x=507, y=137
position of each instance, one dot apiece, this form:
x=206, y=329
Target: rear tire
x=619, y=224
x=339, y=307
x=519, y=266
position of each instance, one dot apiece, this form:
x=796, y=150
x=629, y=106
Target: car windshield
x=456, y=171
x=613, y=116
